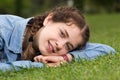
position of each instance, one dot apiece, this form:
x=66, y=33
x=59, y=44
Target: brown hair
x=59, y=14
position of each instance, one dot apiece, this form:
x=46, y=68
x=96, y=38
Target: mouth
x=50, y=48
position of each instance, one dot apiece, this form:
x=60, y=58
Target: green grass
x=104, y=29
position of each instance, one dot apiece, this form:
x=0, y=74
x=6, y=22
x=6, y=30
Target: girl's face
x=57, y=38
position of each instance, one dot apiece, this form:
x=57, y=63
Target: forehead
x=74, y=33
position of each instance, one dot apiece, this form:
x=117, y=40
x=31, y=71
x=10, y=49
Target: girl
x=53, y=34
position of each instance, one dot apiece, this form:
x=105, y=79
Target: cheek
x=63, y=51
x=54, y=36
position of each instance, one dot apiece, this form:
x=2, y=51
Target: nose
x=60, y=44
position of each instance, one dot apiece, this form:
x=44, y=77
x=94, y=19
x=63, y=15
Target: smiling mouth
x=50, y=47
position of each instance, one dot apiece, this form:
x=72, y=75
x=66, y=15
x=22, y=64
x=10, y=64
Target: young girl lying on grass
x=60, y=35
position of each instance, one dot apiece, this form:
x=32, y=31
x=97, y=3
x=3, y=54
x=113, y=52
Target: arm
x=16, y=65
x=92, y=50
x=1, y=42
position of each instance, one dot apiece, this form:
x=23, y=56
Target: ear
x=47, y=19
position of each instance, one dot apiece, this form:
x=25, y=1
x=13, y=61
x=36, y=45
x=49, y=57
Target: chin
x=44, y=53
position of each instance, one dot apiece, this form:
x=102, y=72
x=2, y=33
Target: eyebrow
x=71, y=45
x=66, y=33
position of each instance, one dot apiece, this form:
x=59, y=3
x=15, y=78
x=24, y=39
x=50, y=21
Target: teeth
x=51, y=47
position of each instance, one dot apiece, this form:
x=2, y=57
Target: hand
x=52, y=61
x=60, y=62
x=49, y=59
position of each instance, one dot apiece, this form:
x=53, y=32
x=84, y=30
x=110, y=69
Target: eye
x=62, y=34
x=68, y=47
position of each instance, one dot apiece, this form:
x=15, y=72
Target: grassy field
x=104, y=29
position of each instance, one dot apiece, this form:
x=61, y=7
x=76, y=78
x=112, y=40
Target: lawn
x=105, y=28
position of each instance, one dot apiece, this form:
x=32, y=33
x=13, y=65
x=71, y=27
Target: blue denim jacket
x=92, y=51
x=11, y=36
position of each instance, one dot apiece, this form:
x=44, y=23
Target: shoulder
x=7, y=21
x=9, y=18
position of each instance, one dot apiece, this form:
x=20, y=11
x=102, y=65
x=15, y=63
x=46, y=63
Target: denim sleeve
x=17, y=65
x=1, y=42
x=92, y=50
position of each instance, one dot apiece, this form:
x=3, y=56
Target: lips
x=50, y=48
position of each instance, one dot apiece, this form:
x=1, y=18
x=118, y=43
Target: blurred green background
x=28, y=8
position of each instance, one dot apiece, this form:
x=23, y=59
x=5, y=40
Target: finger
x=35, y=59
x=52, y=59
x=44, y=60
x=38, y=58
x=53, y=64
